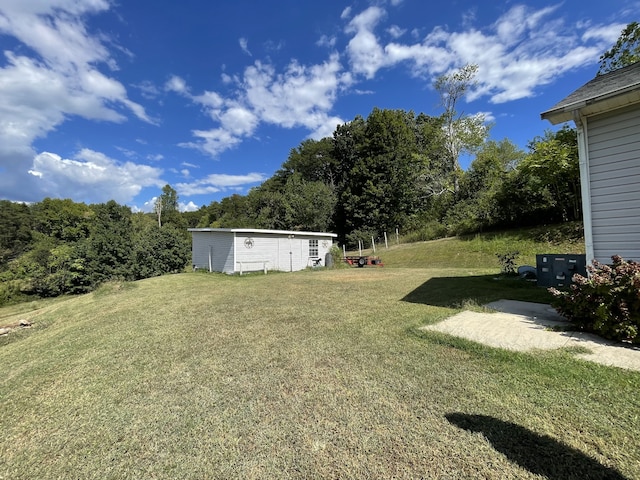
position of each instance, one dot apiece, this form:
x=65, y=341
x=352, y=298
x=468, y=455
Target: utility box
x=554, y=270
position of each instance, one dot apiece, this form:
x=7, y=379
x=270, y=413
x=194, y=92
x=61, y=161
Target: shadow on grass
x=540, y=454
x=454, y=292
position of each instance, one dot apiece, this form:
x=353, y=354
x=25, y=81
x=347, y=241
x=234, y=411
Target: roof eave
x=594, y=106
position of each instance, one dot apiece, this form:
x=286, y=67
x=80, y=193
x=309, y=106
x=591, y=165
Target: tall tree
x=166, y=206
x=463, y=133
x=378, y=193
x=625, y=51
x=314, y=160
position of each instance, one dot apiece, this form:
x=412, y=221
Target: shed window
x=313, y=248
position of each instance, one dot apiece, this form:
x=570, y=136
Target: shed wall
x=614, y=165
x=212, y=250
x=280, y=252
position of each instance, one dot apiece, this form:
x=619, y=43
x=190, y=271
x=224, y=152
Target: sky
x=103, y=100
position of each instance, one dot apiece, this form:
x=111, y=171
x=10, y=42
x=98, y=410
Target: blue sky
x=105, y=100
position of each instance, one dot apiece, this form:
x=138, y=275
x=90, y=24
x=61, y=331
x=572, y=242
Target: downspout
x=235, y=239
x=585, y=183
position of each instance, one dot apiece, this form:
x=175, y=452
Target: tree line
x=394, y=170
x=57, y=246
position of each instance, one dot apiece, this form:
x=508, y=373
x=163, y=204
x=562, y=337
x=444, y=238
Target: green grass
x=315, y=374
x=479, y=251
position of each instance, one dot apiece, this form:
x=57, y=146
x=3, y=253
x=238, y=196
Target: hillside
x=479, y=251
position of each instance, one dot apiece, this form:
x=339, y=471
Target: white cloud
x=92, y=177
x=244, y=45
x=60, y=79
x=365, y=52
x=188, y=207
x=326, y=41
x=218, y=182
x=524, y=49
x=608, y=33
x=301, y=96
x=147, y=89
x=176, y=84
x=395, y=31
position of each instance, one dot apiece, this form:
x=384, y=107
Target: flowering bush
x=607, y=302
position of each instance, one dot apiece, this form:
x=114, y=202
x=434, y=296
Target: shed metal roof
x=262, y=231
x=604, y=93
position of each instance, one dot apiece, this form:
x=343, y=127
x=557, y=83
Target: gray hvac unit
x=555, y=270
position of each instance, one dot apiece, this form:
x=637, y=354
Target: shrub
x=607, y=302
x=429, y=231
x=336, y=255
x=507, y=262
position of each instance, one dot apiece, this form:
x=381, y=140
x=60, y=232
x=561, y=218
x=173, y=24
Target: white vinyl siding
x=614, y=165
x=212, y=251
x=233, y=250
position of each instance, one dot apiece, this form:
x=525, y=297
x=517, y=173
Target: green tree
x=15, y=230
x=167, y=208
x=64, y=220
x=552, y=170
x=109, y=248
x=479, y=205
x=378, y=191
x=159, y=251
x=313, y=160
x=235, y=212
x=625, y=51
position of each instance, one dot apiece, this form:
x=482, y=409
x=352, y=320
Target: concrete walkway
x=524, y=326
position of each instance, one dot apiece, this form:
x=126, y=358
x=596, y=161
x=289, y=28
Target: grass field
x=315, y=374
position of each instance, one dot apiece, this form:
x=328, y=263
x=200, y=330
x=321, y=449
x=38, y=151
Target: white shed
x=606, y=112
x=238, y=250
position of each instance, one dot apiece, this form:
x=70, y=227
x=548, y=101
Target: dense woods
x=391, y=170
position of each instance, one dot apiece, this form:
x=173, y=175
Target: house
x=239, y=250
x=606, y=112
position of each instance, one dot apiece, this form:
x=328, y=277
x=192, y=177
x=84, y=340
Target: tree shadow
x=539, y=454
x=453, y=292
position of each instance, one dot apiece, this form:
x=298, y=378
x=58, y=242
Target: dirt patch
x=10, y=327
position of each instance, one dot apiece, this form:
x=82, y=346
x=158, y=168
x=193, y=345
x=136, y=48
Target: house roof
x=604, y=93
x=262, y=231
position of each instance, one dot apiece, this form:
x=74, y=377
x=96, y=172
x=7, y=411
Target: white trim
x=273, y=232
x=585, y=184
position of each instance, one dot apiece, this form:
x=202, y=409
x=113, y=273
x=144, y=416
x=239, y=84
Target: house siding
x=614, y=164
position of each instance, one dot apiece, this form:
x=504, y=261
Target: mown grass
x=479, y=251
x=316, y=374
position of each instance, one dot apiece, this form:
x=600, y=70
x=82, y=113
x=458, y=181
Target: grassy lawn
x=315, y=374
